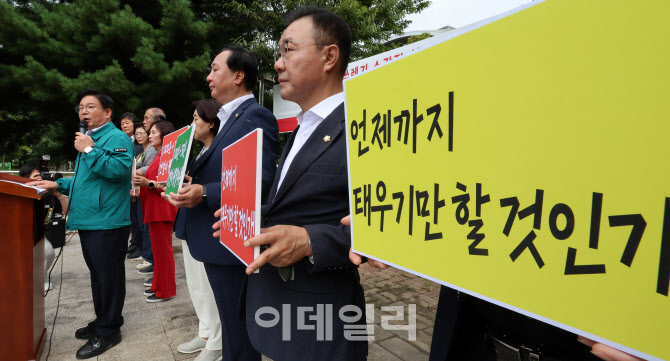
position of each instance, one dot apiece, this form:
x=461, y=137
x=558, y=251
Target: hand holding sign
x=288, y=245
x=188, y=196
x=217, y=225
x=140, y=181
x=607, y=353
x=187, y=180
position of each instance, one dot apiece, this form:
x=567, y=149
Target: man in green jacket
x=99, y=200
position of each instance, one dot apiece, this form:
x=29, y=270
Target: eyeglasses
x=79, y=108
x=283, y=50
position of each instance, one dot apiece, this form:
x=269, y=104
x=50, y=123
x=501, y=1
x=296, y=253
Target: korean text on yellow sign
x=528, y=162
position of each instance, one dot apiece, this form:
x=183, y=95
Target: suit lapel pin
x=326, y=139
x=236, y=115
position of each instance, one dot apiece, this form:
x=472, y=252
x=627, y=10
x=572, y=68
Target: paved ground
x=152, y=331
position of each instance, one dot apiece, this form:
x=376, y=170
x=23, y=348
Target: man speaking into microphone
x=99, y=200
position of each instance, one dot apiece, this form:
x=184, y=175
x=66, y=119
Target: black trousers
x=226, y=282
x=462, y=321
x=104, y=253
x=136, y=223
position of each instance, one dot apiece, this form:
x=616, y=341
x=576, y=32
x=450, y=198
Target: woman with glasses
x=144, y=158
x=160, y=216
x=208, y=341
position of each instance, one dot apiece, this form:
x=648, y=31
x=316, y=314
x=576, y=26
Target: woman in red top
x=159, y=214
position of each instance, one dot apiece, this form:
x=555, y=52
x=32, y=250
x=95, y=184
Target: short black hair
x=208, y=110
x=164, y=127
x=26, y=170
x=128, y=115
x=329, y=28
x=105, y=100
x=244, y=60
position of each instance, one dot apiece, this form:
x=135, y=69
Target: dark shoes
x=153, y=299
x=148, y=282
x=135, y=254
x=131, y=249
x=147, y=270
x=98, y=345
x=86, y=333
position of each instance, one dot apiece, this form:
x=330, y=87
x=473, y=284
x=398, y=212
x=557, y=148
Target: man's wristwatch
x=88, y=149
x=204, y=193
x=151, y=184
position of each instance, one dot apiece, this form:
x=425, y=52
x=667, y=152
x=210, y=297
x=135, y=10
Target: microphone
x=83, y=127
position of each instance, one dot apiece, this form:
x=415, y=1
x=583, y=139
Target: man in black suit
x=233, y=75
x=305, y=272
x=470, y=329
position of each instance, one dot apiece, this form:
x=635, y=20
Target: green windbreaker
x=100, y=189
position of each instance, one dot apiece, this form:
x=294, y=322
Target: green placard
x=178, y=165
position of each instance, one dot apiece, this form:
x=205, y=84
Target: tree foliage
x=143, y=54
x=13, y=136
x=415, y=38
x=372, y=22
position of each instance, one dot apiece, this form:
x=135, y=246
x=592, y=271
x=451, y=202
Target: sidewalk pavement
x=152, y=331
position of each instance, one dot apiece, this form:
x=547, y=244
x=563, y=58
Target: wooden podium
x=22, y=331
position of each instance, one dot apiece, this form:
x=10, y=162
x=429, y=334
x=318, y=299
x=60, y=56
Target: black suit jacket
x=314, y=195
x=195, y=224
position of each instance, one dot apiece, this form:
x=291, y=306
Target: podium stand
x=22, y=325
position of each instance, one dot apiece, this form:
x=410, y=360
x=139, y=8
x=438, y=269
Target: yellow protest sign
x=526, y=161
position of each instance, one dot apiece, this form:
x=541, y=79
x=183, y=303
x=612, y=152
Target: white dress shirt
x=308, y=121
x=91, y=131
x=227, y=109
